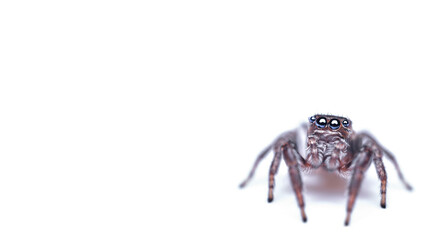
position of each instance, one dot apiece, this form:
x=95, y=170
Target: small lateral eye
x=321, y=122
x=312, y=119
x=334, y=124
x=345, y=123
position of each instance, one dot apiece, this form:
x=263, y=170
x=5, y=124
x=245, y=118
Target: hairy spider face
x=328, y=141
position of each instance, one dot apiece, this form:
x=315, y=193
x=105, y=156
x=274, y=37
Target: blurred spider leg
x=356, y=180
x=391, y=157
x=257, y=161
x=273, y=170
x=291, y=161
x=299, y=158
x=382, y=175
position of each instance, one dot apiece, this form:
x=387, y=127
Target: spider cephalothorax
x=333, y=145
x=328, y=140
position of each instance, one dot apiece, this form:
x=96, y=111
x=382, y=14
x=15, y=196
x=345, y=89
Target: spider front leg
x=382, y=175
x=276, y=145
x=283, y=145
x=292, y=159
x=363, y=160
x=290, y=155
x=367, y=150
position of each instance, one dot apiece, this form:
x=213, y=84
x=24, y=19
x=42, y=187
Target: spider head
x=327, y=140
x=321, y=124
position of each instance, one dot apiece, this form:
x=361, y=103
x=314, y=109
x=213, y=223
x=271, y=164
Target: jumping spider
x=333, y=145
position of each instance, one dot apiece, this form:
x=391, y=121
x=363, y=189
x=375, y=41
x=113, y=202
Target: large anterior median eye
x=321, y=122
x=334, y=124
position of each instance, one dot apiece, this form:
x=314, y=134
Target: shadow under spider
x=329, y=186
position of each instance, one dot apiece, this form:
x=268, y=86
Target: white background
x=138, y=120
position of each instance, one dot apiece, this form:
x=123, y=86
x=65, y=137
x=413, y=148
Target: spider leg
x=257, y=161
x=363, y=160
x=390, y=156
x=291, y=160
x=382, y=175
x=396, y=166
x=284, y=144
x=273, y=171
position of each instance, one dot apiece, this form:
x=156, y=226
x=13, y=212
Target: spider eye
x=334, y=124
x=312, y=119
x=321, y=122
x=345, y=123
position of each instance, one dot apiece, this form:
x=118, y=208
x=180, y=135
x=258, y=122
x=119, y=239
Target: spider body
x=333, y=145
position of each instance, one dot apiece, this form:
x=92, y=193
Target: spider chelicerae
x=333, y=145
